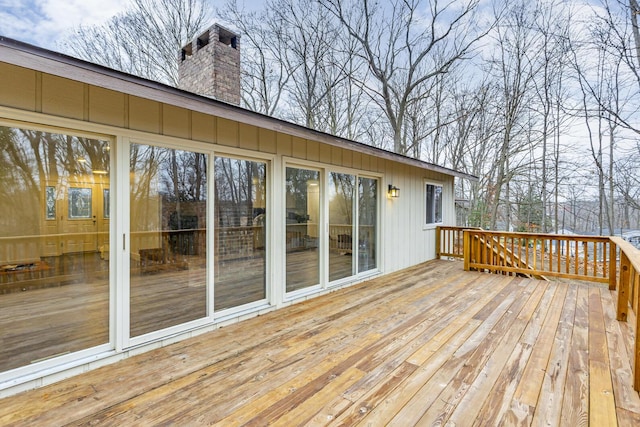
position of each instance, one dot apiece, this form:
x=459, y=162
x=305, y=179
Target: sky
x=44, y=22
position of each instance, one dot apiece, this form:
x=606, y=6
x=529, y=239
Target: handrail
x=449, y=241
x=629, y=295
x=565, y=256
x=592, y=258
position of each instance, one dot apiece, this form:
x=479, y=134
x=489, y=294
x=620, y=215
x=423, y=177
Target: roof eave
x=47, y=61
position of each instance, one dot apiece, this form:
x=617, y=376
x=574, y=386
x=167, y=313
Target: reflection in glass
x=302, y=217
x=341, y=189
x=79, y=203
x=54, y=266
x=434, y=204
x=168, y=237
x=367, y=220
x=240, y=218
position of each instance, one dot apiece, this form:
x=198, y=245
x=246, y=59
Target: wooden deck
x=431, y=345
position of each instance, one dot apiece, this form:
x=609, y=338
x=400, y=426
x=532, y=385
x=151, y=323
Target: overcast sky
x=44, y=22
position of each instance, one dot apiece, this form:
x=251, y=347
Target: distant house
x=134, y=214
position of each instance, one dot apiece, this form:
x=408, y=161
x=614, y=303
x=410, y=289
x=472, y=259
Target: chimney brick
x=210, y=65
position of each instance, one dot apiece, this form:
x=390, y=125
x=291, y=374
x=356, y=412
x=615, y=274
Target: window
x=168, y=220
x=240, y=234
x=433, y=196
x=302, y=195
x=54, y=245
x=367, y=223
x=341, y=192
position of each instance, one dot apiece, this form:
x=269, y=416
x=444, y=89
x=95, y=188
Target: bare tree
x=143, y=40
x=406, y=45
x=265, y=68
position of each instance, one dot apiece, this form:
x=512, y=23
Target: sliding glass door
x=54, y=245
x=240, y=232
x=302, y=195
x=341, y=188
x=168, y=249
x=367, y=223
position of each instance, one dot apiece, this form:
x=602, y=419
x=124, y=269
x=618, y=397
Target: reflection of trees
x=239, y=190
x=297, y=181
x=342, y=197
x=367, y=206
x=169, y=183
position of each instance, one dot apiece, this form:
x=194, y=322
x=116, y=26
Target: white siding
x=405, y=241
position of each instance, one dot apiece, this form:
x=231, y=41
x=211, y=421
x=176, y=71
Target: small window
x=433, y=197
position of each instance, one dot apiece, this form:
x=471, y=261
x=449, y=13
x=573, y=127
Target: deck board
x=430, y=345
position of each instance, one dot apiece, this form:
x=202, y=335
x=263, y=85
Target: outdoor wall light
x=393, y=191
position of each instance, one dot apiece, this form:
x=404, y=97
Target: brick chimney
x=210, y=65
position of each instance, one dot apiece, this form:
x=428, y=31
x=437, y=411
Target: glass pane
x=438, y=203
x=168, y=237
x=54, y=245
x=434, y=203
x=430, y=189
x=367, y=222
x=302, y=216
x=341, y=190
x=240, y=218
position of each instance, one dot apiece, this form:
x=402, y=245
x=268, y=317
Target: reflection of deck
x=67, y=313
x=431, y=343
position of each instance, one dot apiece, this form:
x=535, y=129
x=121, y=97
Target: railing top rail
x=631, y=251
x=521, y=234
x=457, y=227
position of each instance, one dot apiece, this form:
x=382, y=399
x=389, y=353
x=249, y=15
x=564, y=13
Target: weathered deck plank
x=430, y=345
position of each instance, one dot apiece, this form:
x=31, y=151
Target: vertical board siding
x=267, y=141
x=106, y=107
x=203, y=127
x=283, y=142
x=346, y=158
x=227, y=132
x=144, y=115
x=373, y=164
x=313, y=151
x=63, y=97
x=176, y=121
x=299, y=148
x=18, y=87
x=356, y=160
x=248, y=137
x=364, y=162
x=325, y=154
x=406, y=241
x=336, y=156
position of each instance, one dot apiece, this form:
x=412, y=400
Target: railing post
x=623, y=292
x=438, y=231
x=466, y=248
x=636, y=371
x=613, y=265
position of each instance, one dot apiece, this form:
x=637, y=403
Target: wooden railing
x=629, y=294
x=449, y=241
x=539, y=255
x=600, y=259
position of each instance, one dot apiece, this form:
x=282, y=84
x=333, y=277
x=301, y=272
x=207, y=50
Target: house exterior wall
x=405, y=241
x=58, y=102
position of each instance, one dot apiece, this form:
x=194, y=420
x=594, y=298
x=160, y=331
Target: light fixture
x=393, y=191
